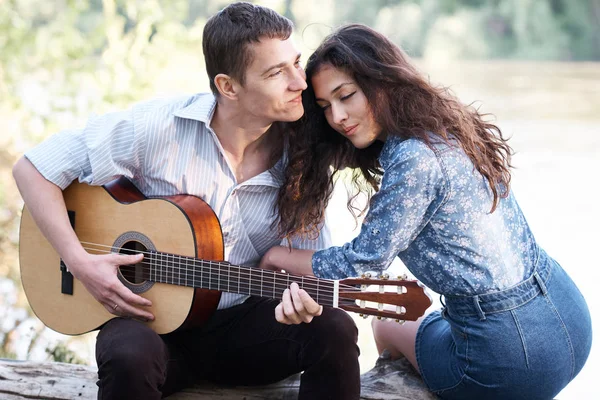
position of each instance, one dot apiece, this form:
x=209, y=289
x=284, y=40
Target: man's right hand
x=99, y=275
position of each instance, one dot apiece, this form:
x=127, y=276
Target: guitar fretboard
x=223, y=276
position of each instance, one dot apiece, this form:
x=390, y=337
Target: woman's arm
x=412, y=188
x=292, y=261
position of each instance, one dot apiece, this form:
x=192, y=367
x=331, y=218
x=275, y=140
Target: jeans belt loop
x=480, y=312
x=540, y=283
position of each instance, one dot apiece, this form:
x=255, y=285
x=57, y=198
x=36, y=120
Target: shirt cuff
x=331, y=264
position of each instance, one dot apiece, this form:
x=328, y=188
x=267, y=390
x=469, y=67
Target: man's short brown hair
x=228, y=33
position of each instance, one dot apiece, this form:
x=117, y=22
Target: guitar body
x=115, y=217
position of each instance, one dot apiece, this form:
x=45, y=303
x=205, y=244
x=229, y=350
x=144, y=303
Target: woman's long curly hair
x=402, y=102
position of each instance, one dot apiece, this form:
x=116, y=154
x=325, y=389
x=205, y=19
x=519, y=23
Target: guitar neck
x=226, y=277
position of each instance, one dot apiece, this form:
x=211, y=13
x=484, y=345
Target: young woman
x=514, y=325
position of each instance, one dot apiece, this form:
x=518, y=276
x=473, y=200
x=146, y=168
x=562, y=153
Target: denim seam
x=441, y=391
x=502, y=310
x=466, y=336
x=418, y=347
x=511, y=307
x=567, y=336
x=521, y=336
x=462, y=378
x=548, y=278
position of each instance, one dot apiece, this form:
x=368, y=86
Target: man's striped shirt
x=167, y=147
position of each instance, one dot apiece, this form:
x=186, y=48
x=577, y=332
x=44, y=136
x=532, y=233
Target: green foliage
x=60, y=353
x=515, y=29
x=7, y=354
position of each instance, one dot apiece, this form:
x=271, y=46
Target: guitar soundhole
x=136, y=273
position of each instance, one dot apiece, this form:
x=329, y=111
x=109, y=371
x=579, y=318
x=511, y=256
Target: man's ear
x=227, y=86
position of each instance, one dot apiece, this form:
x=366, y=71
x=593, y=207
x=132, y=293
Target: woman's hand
x=296, y=307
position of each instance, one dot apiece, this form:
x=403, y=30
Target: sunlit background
x=531, y=63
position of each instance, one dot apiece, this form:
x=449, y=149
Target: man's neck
x=239, y=134
x=248, y=143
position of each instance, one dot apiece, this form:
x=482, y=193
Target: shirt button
x=225, y=234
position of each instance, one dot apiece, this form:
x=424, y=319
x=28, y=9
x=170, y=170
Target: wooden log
x=21, y=380
x=393, y=380
x=53, y=381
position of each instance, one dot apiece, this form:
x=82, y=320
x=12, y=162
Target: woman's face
x=345, y=106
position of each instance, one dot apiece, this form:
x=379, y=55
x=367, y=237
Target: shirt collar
x=201, y=108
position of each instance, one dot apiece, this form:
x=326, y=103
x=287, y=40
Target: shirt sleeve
x=412, y=180
x=106, y=148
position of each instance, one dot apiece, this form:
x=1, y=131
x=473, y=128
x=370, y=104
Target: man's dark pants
x=242, y=345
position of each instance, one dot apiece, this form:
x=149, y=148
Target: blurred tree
x=287, y=10
x=518, y=29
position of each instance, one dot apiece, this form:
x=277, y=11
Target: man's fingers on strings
x=127, y=259
x=296, y=299
x=312, y=307
x=280, y=316
x=288, y=307
x=304, y=304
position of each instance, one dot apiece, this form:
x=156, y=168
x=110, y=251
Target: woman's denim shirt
x=433, y=211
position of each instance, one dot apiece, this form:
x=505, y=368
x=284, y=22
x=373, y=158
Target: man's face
x=274, y=82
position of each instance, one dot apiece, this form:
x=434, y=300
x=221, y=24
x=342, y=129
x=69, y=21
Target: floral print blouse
x=433, y=211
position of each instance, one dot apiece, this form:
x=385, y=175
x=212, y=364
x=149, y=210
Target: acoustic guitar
x=182, y=272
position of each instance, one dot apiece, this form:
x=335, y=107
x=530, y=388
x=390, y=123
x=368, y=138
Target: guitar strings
x=244, y=269
x=308, y=282
x=213, y=281
x=210, y=263
x=326, y=299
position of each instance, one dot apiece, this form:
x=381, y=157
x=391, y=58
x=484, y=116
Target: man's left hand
x=297, y=307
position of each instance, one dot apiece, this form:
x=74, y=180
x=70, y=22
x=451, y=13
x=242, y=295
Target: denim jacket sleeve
x=412, y=188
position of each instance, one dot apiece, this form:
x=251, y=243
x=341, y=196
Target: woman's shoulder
x=397, y=149
x=414, y=157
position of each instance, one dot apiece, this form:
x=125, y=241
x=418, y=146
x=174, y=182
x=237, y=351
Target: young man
x=226, y=148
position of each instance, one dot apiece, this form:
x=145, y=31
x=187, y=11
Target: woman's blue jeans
x=526, y=342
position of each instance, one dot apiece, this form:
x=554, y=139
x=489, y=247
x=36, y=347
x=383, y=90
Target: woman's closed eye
x=346, y=97
x=342, y=98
